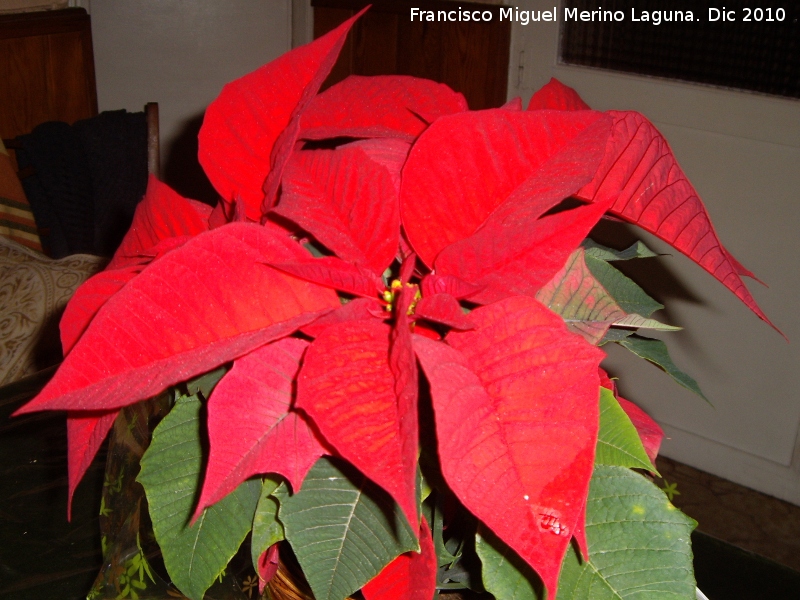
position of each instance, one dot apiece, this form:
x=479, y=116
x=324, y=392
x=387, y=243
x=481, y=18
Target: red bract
x=347, y=387
x=640, y=175
x=163, y=220
x=86, y=431
x=250, y=130
x=516, y=412
x=465, y=166
x=252, y=428
x=556, y=96
x=384, y=106
x=477, y=196
x=411, y=576
x=318, y=192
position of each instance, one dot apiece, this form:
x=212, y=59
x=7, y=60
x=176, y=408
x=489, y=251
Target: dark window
x=761, y=55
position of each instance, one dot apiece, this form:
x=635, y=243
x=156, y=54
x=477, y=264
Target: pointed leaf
x=201, y=305
x=516, y=412
x=343, y=529
x=251, y=427
x=513, y=104
x=517, y=253
x=433, y=284
x=95, y=292
x=403, y=366
x=433, y=513
x=619, y=567
x=161, y=215
x=656, y=352
x=648, y=188
x=442, y=308
x=465, y=165
x=170, y=473
x=600, y=252
x=242, y=127
x=640, y=164
x=618, y=443
x=630, y=297
x=357, y=309
x=583, y=303
x=390, y=153
x=410, y=576
x=267, y=565
x=348, y=388
x=640, y=322
x=554, y=95
x=639, y=544
x=345, y=200
x=88, y=299
x=614, y=335
x=579, y=533
x=85, y=434
x=267, y=530
x=379, y=106
x=335, y=273
x=505, y=575
x=330, y=45
x=649, y=431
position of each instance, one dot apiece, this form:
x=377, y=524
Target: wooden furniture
x=46, y=69
x=47, y=75
x=153, y=140
x=153, y=144
x=472, y=58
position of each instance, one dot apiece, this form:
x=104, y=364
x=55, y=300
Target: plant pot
x=132, y=565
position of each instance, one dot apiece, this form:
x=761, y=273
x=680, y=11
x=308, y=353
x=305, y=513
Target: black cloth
x=88, y=179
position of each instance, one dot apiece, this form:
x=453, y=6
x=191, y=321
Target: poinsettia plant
x=403, y=320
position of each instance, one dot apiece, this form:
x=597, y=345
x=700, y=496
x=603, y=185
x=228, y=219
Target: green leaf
x=618, y=443
x=343, y=529
x=170, y=473
x=267, y=530
x=639, y=544
x=205, y=383
x=627, y=294
x=423, y=487
x=589, y=307
x=315, y=252
x=505, y=575
x=656, y=352
x=615, y=335
x=639, y=548
x=584, y=304
x=639, y=322
x=433, y=514
x=637, y=250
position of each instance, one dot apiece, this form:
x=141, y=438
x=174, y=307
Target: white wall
x=180, y=53
x=741, y=151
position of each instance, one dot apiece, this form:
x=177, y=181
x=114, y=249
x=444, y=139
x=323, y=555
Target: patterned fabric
x=33, y=292
x=16, y=218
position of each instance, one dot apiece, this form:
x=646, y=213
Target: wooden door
x=46, y=69
x=470, y=57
